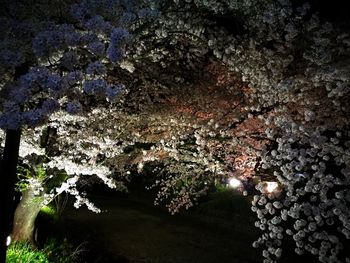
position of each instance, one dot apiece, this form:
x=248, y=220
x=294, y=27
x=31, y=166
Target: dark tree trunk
x=8, y=172
x=24, y=219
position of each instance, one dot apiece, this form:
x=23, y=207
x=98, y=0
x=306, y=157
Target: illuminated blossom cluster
x=287, y=120
x=49, y=65
x=185, y=155
x=190, y=169
x=313, y=170
x=295, y=65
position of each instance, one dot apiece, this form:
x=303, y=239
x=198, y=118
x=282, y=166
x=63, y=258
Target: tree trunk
x=25, y=215
x=8, y=172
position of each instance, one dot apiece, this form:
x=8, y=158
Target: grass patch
x=54, y=251
x=24, y=253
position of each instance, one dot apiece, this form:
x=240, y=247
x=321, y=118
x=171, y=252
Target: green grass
x=52, y=252
x=24, y=253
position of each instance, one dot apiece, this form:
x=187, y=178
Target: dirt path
x=137, y=233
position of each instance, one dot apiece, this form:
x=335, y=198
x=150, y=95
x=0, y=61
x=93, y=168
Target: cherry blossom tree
x=296, y=68
x=55, y=55
x=216, y=89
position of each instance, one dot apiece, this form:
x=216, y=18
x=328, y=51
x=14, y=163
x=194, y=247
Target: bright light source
x=271, y=186
x=8, y=241
x=234, y=182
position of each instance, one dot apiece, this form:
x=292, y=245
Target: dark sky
x=331, y=10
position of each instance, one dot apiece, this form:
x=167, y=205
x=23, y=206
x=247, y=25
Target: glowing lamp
x=8, y=241
x=234, y=182
x=271, y=186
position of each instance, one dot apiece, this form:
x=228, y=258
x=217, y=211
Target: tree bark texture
x=25, y=215
x=8, y=175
